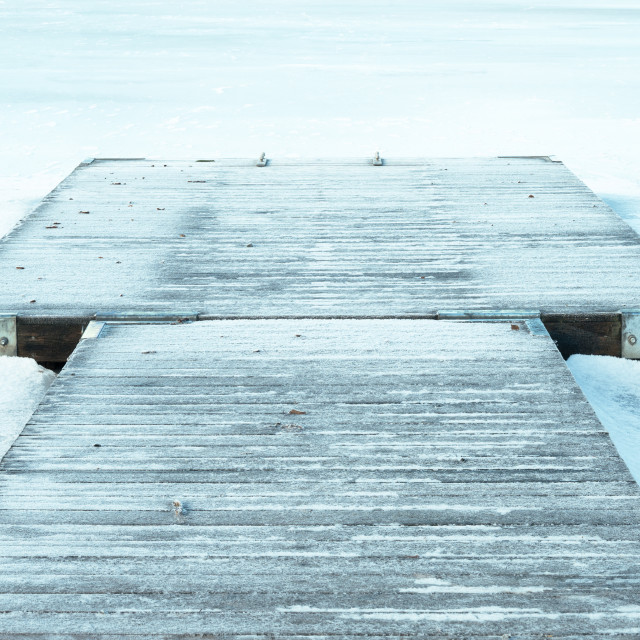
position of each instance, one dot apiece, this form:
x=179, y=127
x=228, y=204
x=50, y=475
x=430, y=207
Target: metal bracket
x=377, y=160
x=543, y=158
x=631, y=334
x=262, y=161
x=537, y=328
x=92, y=331
x=145, y=316
x=8, y=336
x=508, y=314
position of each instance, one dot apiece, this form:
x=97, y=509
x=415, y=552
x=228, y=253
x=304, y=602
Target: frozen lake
x=149, y=78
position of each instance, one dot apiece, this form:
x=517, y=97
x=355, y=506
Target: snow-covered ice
x=22, y=384
x=612, y=386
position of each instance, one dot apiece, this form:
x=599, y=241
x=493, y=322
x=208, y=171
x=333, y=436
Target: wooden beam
x=49, y=339
x=596, y=334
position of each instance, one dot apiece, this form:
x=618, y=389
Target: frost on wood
x=442, y=479
x=322, y=239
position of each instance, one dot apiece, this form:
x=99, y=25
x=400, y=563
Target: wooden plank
x=322, y=239
x=436, y=477
x=300, y=620
x=44, y=487
x=590, y=334
x=49, y=339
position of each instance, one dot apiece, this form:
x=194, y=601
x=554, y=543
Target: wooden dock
x=320, y=239
x=281, y=426
x=317, y=478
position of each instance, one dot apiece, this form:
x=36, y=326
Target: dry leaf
x=295, y=412
x=515, y=327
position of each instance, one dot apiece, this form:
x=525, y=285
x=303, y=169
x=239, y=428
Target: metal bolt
x=4, y=342
x=631, y=339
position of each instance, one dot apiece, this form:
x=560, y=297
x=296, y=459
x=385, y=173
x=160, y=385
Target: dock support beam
x=631, y=335
x=8, y=336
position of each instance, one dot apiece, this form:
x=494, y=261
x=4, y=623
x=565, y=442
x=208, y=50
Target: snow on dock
x=317, y=478
x=320, y=238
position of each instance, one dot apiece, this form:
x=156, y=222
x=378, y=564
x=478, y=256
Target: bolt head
x=4, y=342
x=632, y=339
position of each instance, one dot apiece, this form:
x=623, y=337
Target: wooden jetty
x=412, y=238
x=326, y=239
x=317, y=478
x=357, y=427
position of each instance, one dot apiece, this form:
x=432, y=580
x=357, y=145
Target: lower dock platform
x=317, y=479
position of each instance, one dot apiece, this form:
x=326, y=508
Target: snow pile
x=612, y=386
x=22, y=384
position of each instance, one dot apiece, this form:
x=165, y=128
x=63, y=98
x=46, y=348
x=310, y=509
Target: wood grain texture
x=50, y=340
x=443, y=479
x=320, y=239
x=591, y=334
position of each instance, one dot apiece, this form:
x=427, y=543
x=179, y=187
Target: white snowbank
x=22, y=384
x=612, y=386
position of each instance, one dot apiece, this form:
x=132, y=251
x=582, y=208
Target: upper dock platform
x=325, y=238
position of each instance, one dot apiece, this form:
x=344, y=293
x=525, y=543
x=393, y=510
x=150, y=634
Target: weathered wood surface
x=49, y=340
x=591, y=334
x=446, y=479
x=320, y=238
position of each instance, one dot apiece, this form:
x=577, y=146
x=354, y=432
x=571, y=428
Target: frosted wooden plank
x=439, y=478
x=320, y=238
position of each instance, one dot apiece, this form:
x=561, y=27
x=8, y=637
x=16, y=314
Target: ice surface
x=22, y=384
x=612, y=386
x=204, y=79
